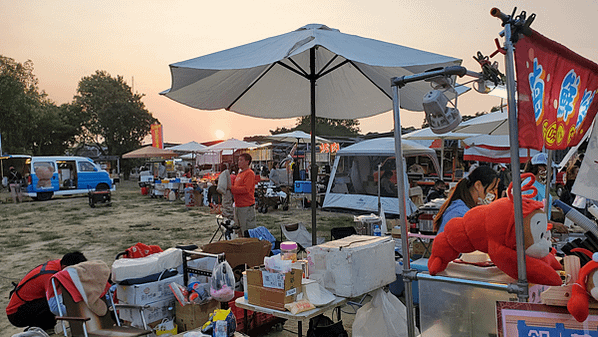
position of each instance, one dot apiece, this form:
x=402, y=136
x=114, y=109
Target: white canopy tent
x=353, y=178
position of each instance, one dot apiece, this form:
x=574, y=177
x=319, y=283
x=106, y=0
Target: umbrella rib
x=327, y=64
x=322, y=74
x=301, y=73
x=296, y=65
x=249, y=87
x=374, y=83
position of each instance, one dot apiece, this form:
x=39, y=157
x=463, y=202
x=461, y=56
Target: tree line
x=104, y=111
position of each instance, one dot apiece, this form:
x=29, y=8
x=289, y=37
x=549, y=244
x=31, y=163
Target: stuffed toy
x=586, y=280
x=491, y=229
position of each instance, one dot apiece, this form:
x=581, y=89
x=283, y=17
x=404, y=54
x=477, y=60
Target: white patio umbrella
x=231, y=144
x=495, y=123
x=298, y=136
x=427, y=134
x=314, y=70
x=188, y=147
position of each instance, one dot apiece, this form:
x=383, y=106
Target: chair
x=341, y=232
x=298, y=233
x=84, y=322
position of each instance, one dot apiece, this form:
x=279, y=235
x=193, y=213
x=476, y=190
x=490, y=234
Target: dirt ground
x=33, y=232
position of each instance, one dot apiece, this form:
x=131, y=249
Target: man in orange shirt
x=243, y=190
x=28, y=305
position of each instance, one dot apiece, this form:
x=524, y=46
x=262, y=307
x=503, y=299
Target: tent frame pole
x=314, y=169
x=408, y=273
x=522, y=285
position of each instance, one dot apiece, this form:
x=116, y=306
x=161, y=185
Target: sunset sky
x=138, y=39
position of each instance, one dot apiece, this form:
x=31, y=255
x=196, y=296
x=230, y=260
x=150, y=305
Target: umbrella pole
x=403, y=212
x=312, y=82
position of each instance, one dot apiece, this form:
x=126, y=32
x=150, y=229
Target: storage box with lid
x=354, y=265
x=155, y=313
x=145, y=293
x=302, y=186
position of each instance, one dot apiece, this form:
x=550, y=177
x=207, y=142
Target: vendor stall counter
x=461, y=301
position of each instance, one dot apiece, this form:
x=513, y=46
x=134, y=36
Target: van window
x=85, y=166
x=46, y=166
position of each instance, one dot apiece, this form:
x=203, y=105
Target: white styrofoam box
x=147, y=292
x=157, y=311
x=123, y=269
x=354, y=265
x=203, y=263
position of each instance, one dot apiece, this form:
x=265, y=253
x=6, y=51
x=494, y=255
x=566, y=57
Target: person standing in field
x=243, y=190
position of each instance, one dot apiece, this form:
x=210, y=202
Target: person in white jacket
x=223, y=188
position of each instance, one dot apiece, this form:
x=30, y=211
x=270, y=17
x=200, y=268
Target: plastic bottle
x=288, y=251
x=377, y=231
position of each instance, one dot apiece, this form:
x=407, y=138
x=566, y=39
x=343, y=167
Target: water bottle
x=377, y=231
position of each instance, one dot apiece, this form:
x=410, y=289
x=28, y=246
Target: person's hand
x=559, y=227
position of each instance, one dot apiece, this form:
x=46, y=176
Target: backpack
x=323, y=326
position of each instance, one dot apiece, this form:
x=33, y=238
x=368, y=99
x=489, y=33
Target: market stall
x=470, y=304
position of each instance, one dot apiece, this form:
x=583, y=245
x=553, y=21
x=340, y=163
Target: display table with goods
x=301, y=317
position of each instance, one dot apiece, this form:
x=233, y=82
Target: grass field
x=33, y=232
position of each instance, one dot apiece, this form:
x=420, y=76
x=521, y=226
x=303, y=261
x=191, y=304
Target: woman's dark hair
x=484, y=174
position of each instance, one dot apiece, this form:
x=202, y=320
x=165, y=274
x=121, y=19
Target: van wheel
x=102, y=187
x=43, y=196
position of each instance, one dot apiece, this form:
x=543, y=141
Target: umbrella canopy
x=230, y=144
x=314, y=70
x=188, y=147
x=496, y=123
x=150, y=152
x=271, y=78
x=297, y=137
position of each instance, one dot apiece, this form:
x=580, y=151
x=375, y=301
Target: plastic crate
x=255, y=320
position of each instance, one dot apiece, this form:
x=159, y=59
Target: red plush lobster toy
x=491, y=229
x=586, y=285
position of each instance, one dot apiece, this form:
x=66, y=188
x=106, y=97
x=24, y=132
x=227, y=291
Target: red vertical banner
x=157, y=138
x=556, y=89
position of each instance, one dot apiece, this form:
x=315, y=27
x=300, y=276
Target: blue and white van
x=63, y=175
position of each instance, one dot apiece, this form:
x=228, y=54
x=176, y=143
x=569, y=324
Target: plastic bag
x=166, y=328
x=222, y=282
x=384, y=315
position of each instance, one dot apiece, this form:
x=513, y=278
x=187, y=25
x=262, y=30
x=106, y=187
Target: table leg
x=299, y=328
x=245, y=322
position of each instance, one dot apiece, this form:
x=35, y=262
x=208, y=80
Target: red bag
x=141, y=250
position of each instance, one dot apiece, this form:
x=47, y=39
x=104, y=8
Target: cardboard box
x=354, y=265
x=272, y=290
x=250, y=251
x=194, y=315
x=145, y=293
x=156, y=312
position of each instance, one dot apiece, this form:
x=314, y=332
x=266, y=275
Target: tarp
x=586, y=184
x=353, y=180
